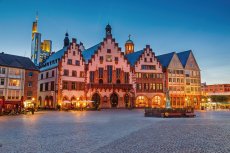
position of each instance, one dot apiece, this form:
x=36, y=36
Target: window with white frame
x=2, y=70
x=14, y=71
x=13, y=94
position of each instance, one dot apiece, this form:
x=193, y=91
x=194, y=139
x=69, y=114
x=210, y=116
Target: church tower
x=36, y=43
x=129, y=46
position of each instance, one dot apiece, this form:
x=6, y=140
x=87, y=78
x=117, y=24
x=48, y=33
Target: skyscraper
x=39, y=50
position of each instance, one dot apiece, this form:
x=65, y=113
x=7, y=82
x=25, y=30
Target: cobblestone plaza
x=114, y=131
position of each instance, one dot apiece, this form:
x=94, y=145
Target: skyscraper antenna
x=36, y=15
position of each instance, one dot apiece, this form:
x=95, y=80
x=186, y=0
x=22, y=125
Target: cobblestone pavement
x=114, y=131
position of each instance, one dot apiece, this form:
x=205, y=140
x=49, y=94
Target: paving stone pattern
x=114, y=131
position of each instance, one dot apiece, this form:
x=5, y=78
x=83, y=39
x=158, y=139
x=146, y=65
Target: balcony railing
x=109, y=86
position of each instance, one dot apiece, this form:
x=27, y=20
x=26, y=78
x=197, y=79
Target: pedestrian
x=32, y=110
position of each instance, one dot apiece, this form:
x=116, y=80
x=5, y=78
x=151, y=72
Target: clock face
x=108, y=58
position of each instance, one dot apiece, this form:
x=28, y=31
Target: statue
x=168, y=104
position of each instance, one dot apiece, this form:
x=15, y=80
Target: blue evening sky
x=167, y=25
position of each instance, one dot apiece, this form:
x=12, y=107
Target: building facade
x=215, y=89
x=112, y=78
x=62, y=76
x=192, y=79
x=18, y=81
x=174, y=78
x=147, y=79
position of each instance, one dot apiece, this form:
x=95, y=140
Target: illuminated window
x=13, y=94
x=14, y=82
x=157, y=100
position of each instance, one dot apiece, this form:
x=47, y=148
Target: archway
x=142, y=101
x=118, y=81
x=96, y=98
x=126, y=99
x=114, y=100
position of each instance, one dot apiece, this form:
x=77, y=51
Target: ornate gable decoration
x=106, y=51
x=148, y=60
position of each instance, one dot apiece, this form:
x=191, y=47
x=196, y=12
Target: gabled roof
x=52, y=58
x=183, y=56
x=165, y=59
x=16, y=62
x=133, y=57
x=88, y=53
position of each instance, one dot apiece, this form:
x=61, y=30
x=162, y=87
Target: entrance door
x=96, y=98
x=114, y=100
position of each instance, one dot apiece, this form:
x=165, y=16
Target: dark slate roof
x=165, y=59
x=88, y=53
x=57, y=55
x=17, y=62
x=133, y=57
x=183, y=56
